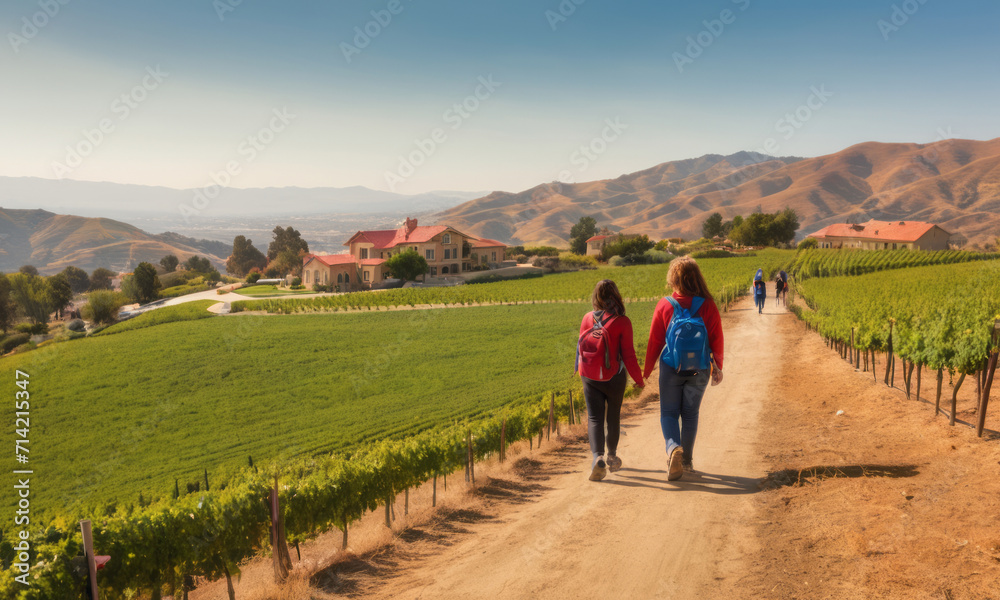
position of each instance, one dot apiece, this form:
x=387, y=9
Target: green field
x=188, y=311
x=728, y=278
x=116, y=415
x=269, y=290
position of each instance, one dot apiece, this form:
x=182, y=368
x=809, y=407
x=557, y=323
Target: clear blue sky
x=560, y=81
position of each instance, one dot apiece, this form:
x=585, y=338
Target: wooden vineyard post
x=954, y=398
x=888, y=355
x=920, y=367
x=467, y=459
x=434, y=491
x=937, y=399
x=984, y=396
x=852, y=352
x=472, y=462
x=388, y=515
x=552, y=416
x=503, y=441
x=572, y=409
x=88, y=551
x=907, y=376
x=874, y=367
x=280, y=567
x=406, y=502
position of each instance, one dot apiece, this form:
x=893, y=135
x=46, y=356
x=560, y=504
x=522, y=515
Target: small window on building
x=364, y=253
x=447, y=253
x=494, y=257
x=347, y=278
x=366, y=275
x=444, y=270
x=324, y=277
x=446, y=239
x=430, y=254
x=340, y=278
x=434, y=271
x=307, y=276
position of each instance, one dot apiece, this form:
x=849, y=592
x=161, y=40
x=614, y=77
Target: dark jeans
x=604, y=400
x=680, y=401
x=759, y=302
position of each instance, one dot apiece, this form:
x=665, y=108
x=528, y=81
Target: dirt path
x=635, y=534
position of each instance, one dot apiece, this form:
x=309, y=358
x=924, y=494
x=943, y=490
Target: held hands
x=716, y=376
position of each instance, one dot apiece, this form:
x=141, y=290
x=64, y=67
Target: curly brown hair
x=684, y=276
x=606, y=297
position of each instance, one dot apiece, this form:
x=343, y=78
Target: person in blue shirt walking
x=759, y=290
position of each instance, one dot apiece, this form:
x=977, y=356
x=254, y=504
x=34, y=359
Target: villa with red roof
x=447, y=251
x=596, y=243
x=883, y=235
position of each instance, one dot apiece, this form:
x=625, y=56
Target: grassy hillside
x=116, y=415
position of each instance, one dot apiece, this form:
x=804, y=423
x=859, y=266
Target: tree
x=287, y=262
x=169, y=263
x=60, y=292
x=103, y=307
x=79, y=281
x=244, y=257
x=712, y=226
x=808, y=244
x=100, y=279
x=584, y=229
x=198, y=264
x=407, y=265
x=28, y=270
x=626, y=246
x=143, y=285
x=285, y=240
x=7, y=307
x=765, y=229
x=31, y=295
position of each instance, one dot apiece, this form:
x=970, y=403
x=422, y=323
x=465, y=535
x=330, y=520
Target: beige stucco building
x=883, y=235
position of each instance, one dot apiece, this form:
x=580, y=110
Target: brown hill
x=954, y=183
x=52, y=242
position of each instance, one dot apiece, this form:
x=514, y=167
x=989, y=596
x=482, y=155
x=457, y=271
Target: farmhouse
x=596, y=244
x=883, y=235
x=447, y=251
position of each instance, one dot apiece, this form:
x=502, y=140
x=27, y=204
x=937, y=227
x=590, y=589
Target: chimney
x=408, y=226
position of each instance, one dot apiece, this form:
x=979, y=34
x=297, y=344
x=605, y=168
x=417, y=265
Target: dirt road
x=634, y=535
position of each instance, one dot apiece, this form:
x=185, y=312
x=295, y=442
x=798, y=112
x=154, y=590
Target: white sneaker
x=600, y=470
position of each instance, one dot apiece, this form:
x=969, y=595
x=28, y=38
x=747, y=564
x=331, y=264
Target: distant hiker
x=759, y=290
x=687, y=329
x=603, y=353
x=779, y=288
x=784, y=286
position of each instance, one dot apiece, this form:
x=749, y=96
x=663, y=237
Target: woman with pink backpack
x=603, y=353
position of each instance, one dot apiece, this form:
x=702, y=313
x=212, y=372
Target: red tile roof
x=372, y=262
x=381, y=238
x=897, y=231
x=418, y=235
x=330, y=259
x=487, y=243
x=597, y=238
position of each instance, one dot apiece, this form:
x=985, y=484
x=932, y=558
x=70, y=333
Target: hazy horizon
x=406, y=97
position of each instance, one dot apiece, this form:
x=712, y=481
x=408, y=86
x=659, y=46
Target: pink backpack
x=593, y=351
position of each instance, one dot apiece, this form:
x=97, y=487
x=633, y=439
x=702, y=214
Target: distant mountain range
x=52, y=242
x=953, y=183
x=122, y=201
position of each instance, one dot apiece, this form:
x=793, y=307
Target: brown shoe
x=599, y=471
x=614, y=463
x=676, y=467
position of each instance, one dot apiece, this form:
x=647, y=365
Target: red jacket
x=619, y=339
x=709, y=313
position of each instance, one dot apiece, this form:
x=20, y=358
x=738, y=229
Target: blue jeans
x=680, y=401
x=759, y=301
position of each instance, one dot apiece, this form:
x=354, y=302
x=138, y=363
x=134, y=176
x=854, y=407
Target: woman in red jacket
x=681, y=392
x=604, y=352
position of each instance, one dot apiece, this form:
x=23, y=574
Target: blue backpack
x=686, y=347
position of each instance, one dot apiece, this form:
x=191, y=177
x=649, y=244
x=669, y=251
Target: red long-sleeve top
x=619, y=339
x=661, y=320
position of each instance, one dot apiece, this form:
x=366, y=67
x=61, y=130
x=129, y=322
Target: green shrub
x=712, y=254
x=616, y=261
x=576, y=260
x=297, y=286
x=296, y=281
x=657, y=257
x=542, y=251
x=521, y=258
x=808, y=244
x=253, y=276
x=103, y=307
x=33, y=328
x=76, y=325
x=13, y=341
